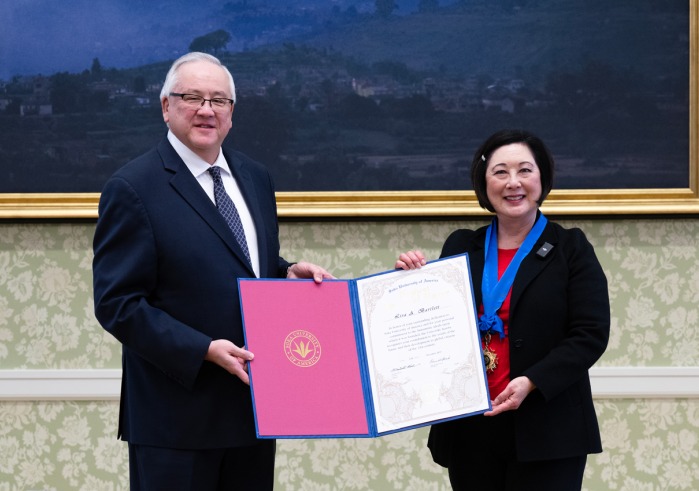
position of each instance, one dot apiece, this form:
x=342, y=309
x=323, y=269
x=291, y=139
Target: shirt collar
x=194, y=163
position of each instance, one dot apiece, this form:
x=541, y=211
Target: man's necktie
x=227, y=208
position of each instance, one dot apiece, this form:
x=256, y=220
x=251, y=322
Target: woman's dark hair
x=544, y=161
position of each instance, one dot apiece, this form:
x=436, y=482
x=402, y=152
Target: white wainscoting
x=42, y=385
x=607, y=383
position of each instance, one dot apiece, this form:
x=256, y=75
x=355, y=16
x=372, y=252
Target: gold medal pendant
x=489, y=356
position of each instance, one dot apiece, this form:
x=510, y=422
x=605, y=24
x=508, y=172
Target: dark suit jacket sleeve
x=585, y=307
x=125, y=274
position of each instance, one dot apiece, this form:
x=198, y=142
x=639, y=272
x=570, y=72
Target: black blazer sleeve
x=582, y=306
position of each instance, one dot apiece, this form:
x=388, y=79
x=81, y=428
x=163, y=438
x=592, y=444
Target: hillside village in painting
x=323, y=119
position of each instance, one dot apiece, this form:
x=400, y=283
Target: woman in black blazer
x=543, y=309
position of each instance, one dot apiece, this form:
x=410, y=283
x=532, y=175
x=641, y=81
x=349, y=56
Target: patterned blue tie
x=227, y=208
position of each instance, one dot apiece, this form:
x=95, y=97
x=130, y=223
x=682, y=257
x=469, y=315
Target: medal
x=490, y=358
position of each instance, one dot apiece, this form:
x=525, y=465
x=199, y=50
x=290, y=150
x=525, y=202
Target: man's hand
x=233, y=359
x=512, y=397
x=308, y=270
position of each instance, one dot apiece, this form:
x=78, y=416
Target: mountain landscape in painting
x=353, y=96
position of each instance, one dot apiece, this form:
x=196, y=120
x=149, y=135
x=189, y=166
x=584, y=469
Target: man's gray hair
x=172, y=76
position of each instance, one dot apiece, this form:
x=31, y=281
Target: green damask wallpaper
x=46, y=322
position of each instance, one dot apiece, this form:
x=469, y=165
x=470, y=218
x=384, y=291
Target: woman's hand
x=512, y=397
x=411, y=260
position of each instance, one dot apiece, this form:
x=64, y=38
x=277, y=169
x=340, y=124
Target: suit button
x=518, y=343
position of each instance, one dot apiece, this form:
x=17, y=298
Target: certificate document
x=365, y=357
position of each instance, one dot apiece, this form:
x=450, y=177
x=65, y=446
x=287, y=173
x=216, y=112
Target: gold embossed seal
x=302, y=348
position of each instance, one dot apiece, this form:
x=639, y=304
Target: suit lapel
x=532, y=265
x=187, y=186
x=249, y=191
x=530, y=268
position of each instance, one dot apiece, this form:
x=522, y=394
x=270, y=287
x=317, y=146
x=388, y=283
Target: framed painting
x=363, y=109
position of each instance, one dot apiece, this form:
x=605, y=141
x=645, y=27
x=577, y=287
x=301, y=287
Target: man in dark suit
x=165, y=269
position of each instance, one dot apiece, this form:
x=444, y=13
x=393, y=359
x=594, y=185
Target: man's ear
x=165, y=105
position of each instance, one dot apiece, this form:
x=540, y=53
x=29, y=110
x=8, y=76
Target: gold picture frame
x=372, y=204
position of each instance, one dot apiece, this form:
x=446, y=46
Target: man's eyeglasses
x=196, y=101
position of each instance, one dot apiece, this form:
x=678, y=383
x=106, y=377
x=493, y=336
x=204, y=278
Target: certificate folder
x=364, y=357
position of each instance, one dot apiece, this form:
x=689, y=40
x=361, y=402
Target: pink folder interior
x=314, y=393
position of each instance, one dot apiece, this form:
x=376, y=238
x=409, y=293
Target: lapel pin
x=544, y=250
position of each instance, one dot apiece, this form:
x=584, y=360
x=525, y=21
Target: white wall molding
x=645, y=382
x=42, y=385
x=104, y=384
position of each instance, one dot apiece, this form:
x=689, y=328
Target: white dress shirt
x=199, y=169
